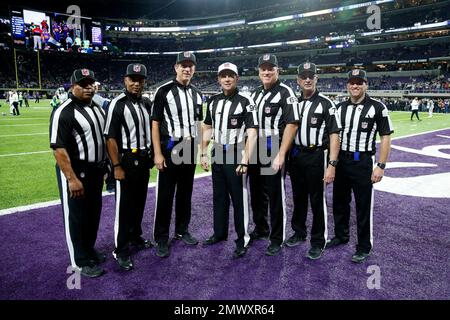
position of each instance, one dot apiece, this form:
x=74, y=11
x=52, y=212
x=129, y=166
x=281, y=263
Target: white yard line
x=23, y=134
x=23, y=153
x=22, y=125
x=22, y=119
x=418, y=134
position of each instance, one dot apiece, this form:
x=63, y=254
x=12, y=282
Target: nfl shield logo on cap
x=186, y=54
x=355, y=72
x=306, y=65
x=137, y=68
x=85, y=72
x=266, y=57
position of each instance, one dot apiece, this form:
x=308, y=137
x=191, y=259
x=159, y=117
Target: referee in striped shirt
x=313, y=159
x=277, y=106
x=229, y=116
x=128, y=137
x=76, y=137
x=177, y=111
x=361, y=117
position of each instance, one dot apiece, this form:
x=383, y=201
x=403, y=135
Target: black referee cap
x=186, y=56
x=307, y=67
x=136, y=69
x=357, y=74
x=268, y=58
x=81, y=74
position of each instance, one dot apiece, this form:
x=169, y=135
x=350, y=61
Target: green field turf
x=30, y=178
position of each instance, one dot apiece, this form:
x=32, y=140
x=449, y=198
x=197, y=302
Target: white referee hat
x=228, y=66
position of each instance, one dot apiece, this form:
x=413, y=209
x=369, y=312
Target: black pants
x=110, y=181
x=131, y=195
x=307, y=171
x=81, y=216
x=227, y=184
x=415, y=112
x=356, y=176
x=267, y=190
x=16, y=109
x=180, y=176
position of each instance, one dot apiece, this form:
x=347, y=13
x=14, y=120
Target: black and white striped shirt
x=177, y=108
x=128, y=122
x=230, y=116
x=78, y=128
x=361, y=122
x=276, y=106
x=318, y=121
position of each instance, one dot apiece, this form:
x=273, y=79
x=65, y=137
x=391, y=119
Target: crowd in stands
x=56, y=68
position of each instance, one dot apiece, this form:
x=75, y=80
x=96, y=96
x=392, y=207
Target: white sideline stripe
x=25, y=124
x=23, y=119
x=23, y=153
x=23, y=134
x=418, y=134
x=47, y=204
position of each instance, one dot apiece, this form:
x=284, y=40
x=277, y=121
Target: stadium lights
x=302, y=41
x=416, y=28
x=298, y=41
x=420, y=27
x=273, y=44
x=320, y=12
x=187, y=29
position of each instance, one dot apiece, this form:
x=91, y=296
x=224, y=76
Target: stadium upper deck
x=414, y=35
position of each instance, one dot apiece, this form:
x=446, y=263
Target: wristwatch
x=333, y=163
x=381, y=165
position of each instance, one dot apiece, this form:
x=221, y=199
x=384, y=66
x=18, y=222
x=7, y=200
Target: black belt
x=355, y=155
x=90, y=165
x=311, y=148
x=137, y=152
x=170, y=142
x=296, y=149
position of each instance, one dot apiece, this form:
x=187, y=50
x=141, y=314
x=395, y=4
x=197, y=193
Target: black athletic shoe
x=187, y=238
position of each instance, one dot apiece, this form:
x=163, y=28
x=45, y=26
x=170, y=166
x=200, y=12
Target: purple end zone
x=411, y=249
